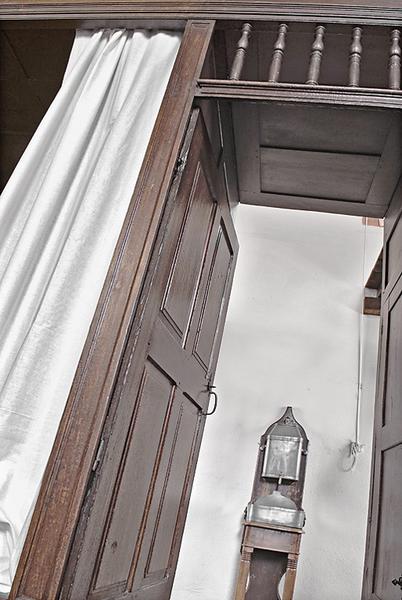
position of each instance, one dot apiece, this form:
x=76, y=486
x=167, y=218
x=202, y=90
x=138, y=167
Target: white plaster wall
x=291, y=338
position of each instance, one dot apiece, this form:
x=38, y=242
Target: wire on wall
x=355, y=446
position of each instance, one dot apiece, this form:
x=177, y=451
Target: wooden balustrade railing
x=356, y=56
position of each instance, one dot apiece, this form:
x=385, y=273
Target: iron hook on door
x=210, y=389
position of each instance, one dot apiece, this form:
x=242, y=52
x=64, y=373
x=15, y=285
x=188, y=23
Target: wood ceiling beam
x=364, y=12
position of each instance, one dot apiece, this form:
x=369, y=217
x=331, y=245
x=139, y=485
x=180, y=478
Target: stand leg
x=244, y=572
x=290, y=577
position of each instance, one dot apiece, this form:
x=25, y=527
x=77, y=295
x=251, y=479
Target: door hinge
x=99, y=455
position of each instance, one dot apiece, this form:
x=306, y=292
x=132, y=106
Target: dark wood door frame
x=41, y=567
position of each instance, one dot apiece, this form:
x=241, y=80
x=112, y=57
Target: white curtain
x=60, y=216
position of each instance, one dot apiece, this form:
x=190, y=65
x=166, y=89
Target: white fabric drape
x=60, y=216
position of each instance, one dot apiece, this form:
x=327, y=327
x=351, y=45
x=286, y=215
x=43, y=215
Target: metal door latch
x=215, y=397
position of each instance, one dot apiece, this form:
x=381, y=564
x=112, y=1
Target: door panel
x=147, y=437
x=163, y=516
x=383, y=562
x=213, y=300
x=187, y=264
x=129, y=537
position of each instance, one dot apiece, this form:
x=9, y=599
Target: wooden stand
x=270, y=551
x=270, y=538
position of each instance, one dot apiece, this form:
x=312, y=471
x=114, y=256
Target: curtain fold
x=60, y=217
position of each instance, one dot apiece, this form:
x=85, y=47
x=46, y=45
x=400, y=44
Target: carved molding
x=320, y=94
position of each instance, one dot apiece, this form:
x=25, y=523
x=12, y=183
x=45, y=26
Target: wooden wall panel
x=342, y=160
x=31, y=71
x=294, y=126
x=318, y=174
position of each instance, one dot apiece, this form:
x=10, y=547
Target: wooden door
x=384, y=540
x=129, y=535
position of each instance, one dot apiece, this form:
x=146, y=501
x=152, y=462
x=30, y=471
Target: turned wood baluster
x=240, y=55
x=395, y=60
x=355, y=57
x=277, y=56
x=316, y=56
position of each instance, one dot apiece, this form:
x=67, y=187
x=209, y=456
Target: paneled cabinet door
x=129, y=535
x=383, y=567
